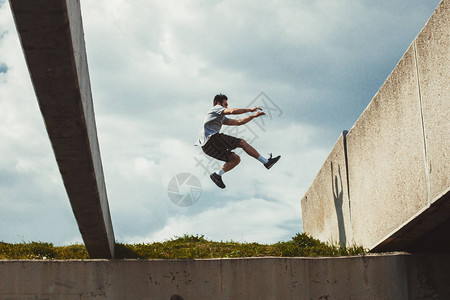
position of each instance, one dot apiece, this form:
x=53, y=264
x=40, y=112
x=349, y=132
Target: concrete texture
x=390, y=276
x=326, y=205
x=427, y=231
x=398, y=155
x=51, y=35
x=433, y=59
x=385, y=157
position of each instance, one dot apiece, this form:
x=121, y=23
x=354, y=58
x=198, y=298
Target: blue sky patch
x=3, y=67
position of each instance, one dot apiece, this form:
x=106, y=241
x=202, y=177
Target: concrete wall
x=398, y=151
x=433, y=59
x=391, y=276
x=326, y=206
x=387, y=176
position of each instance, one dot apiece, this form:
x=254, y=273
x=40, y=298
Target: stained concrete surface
x=433, y=59
x=387, y=276
x=326, y=204
x=385, y=157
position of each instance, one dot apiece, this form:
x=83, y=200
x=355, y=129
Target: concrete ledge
x=51, y=35
x=389, y=276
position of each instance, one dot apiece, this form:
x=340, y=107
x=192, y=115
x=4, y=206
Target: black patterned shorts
x=220, y=145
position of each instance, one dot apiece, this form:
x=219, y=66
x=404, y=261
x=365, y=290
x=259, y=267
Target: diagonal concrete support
x=51, y=34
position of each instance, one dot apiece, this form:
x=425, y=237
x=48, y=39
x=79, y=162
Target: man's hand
x=259, y=113
x=255, y=109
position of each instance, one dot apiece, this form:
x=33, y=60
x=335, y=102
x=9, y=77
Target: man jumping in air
x=219, y=145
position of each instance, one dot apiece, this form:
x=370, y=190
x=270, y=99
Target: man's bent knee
x=243, y=143
x=234, y=158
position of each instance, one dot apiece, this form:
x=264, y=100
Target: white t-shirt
x=212, y=124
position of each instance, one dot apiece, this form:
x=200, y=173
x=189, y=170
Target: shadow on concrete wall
x=338, y=195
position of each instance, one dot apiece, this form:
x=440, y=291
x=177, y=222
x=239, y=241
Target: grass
x=186, y=247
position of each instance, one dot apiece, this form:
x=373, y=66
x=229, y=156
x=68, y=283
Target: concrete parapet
x=398, y=156
x=389, y=276
x=386, y=157
x=51, y=34
x=433, y=59
x=326, y=206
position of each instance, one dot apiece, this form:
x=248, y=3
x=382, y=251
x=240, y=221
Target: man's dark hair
x=219, y=99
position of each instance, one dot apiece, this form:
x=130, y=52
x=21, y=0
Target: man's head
x=221, y=100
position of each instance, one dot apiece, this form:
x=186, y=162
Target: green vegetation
x=188, y=247
x=39, y=250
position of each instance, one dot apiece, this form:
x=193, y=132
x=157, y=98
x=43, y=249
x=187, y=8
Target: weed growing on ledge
x=185, y=247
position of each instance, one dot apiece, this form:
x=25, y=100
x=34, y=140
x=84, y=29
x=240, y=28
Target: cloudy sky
x=155, y=66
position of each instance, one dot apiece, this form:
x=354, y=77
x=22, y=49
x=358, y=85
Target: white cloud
x=247, y=220
x=32, y=198
x=155, y=67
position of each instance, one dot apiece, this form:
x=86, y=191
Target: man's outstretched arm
x=239, y=111
x=233, y=122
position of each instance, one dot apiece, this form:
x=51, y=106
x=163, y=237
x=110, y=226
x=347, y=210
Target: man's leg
x=248, y=149
x=267, y=162
x=233, y=161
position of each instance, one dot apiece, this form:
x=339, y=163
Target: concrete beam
x=51, y=34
